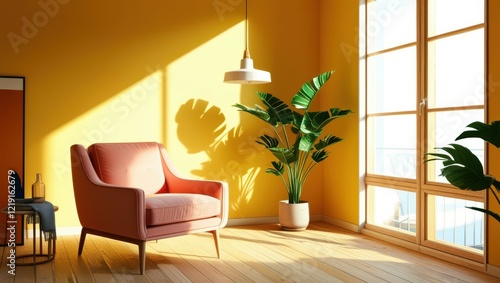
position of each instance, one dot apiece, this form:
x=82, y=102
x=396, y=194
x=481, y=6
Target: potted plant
x=463, y=169
x=298, y=144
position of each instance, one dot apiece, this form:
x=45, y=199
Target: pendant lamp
x=247, y=74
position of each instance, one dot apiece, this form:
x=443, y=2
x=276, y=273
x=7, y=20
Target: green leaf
x=496, y=184
x=462, y=168
x=268, y=141
x=315, y=122
x=439, y=156
x=337, y=113
x=303, y=98
x=312, y=122
x=307, y=141
x=463, y=156
x=297, y=121
x=327, y=141
x=284, y=155
x=489, y=212
x=278, y=111
x=319, y=155
x=278, y=169
x=489, y=133
x=465, y=179
x=257, y=112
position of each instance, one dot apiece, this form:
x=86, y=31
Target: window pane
x=392, y=81
x=449, y=15
x=450, y=221
x=392, y=146
x=394, y=209
x=391, y=23
x=443, y=128
x=456, y=70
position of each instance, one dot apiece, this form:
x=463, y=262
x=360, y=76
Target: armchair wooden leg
x=82, y=241
x=142, y=256
x=215, y=233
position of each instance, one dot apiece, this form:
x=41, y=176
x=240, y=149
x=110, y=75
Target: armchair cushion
x=170, y=208
x=122, y=164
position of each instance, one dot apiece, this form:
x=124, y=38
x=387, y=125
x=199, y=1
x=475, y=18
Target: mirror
x=11, y=154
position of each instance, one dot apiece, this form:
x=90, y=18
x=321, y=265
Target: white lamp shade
x=247, y=74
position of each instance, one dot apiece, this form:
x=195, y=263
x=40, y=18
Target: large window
x=424, y=82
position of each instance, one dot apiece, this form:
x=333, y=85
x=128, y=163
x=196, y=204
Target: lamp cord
x=246, y=23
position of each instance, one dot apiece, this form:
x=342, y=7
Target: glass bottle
x=38, y=189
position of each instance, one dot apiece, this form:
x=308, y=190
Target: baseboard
x=342, y=224
x=263, y=220
x=251, y=221
x=493, y=270
x=316, y=218
x=431, y=252
x=453, y=259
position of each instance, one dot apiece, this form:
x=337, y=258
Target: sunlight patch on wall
x=134, y=114
x=203, y=135
x=198, y=104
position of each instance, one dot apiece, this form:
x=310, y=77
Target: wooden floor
x=257, y=253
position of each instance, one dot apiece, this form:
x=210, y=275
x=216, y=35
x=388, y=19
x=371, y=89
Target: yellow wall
x=339, y=51
x=100, y=71
x=493, y=115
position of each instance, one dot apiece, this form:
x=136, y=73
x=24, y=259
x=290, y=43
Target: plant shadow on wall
x=230, y=156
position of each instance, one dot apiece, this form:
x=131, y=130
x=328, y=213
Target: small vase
x=38, y=189
x=294, y=216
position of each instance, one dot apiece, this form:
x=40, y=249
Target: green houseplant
x=463, y=169
x=298, y=143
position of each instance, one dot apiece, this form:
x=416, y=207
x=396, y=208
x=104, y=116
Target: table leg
x=34, y=242
x=4, y=241
x=34, y=246
x=41, y=237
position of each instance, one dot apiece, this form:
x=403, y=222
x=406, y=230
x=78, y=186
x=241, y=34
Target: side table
x=35, y=257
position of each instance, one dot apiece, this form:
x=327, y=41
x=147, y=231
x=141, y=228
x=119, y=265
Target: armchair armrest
x=216, y=189
x=178, y=184
x=103, y=206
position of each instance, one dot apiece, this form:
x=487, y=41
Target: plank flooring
x=255, y=253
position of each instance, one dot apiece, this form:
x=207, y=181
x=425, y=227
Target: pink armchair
x=131, y=192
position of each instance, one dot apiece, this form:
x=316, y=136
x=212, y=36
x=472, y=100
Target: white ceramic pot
x=295, y=216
